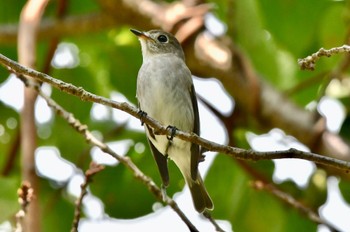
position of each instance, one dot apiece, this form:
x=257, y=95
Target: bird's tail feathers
x=200, y=196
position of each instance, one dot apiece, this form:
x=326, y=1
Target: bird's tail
x=200, y=196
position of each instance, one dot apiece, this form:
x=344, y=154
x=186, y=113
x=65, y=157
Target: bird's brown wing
x=195, y=151
x=162, y=163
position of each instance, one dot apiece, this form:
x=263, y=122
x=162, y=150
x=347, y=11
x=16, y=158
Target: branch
x=309, y=62
x=93, y=169
x=237, y=153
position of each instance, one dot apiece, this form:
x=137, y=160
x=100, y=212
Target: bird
x=165, y=92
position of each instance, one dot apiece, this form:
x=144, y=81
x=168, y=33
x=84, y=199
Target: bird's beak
x=140, y=34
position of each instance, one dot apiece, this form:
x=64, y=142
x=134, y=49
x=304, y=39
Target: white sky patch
x=6, y=227
x=99, y=112
x=74, y=184
x=66, y=56
x=333, y=111
x=120, y=116
x=43, y=113
x=296, y=170
x=135, y=124
x=120, y=147
x=12, y=92
x=210, y=123
x=213, y=92
x=51, y=165
x=336, y=210
x=93, y=207
x=214, y=25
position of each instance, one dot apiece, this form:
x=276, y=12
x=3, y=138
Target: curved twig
x=310, y=61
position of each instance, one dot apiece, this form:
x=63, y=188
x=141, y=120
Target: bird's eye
x=162, y=39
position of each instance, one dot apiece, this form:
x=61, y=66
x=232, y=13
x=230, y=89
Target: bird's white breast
x=163, y=92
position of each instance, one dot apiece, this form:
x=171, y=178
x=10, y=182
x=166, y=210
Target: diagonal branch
x=237, y=153
x=309, y=62
x=290, y=200
x=93, y=169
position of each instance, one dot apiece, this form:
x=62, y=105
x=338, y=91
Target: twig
x=25, y=196
x=310, y=61
x=234, y=152
x=260, y=185
x=210, y=218
x=93, y=169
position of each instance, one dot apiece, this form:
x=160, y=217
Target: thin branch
x=237, y=153
x=309, y=62
x=210, y=218
x=93, y=169
x=264, y=183
x=288, y=199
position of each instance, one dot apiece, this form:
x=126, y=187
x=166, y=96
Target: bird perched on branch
x=166, y=93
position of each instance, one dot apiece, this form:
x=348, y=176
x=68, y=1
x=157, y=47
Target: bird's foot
x=142, y=114
x=173, y=132
x=163, y=191
x=202, y=156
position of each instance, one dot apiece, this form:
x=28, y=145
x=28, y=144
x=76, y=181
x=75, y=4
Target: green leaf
x=344, y=187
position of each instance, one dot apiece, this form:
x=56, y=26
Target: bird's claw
x=201, y=158
x=173, y=132
x=142, y=114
